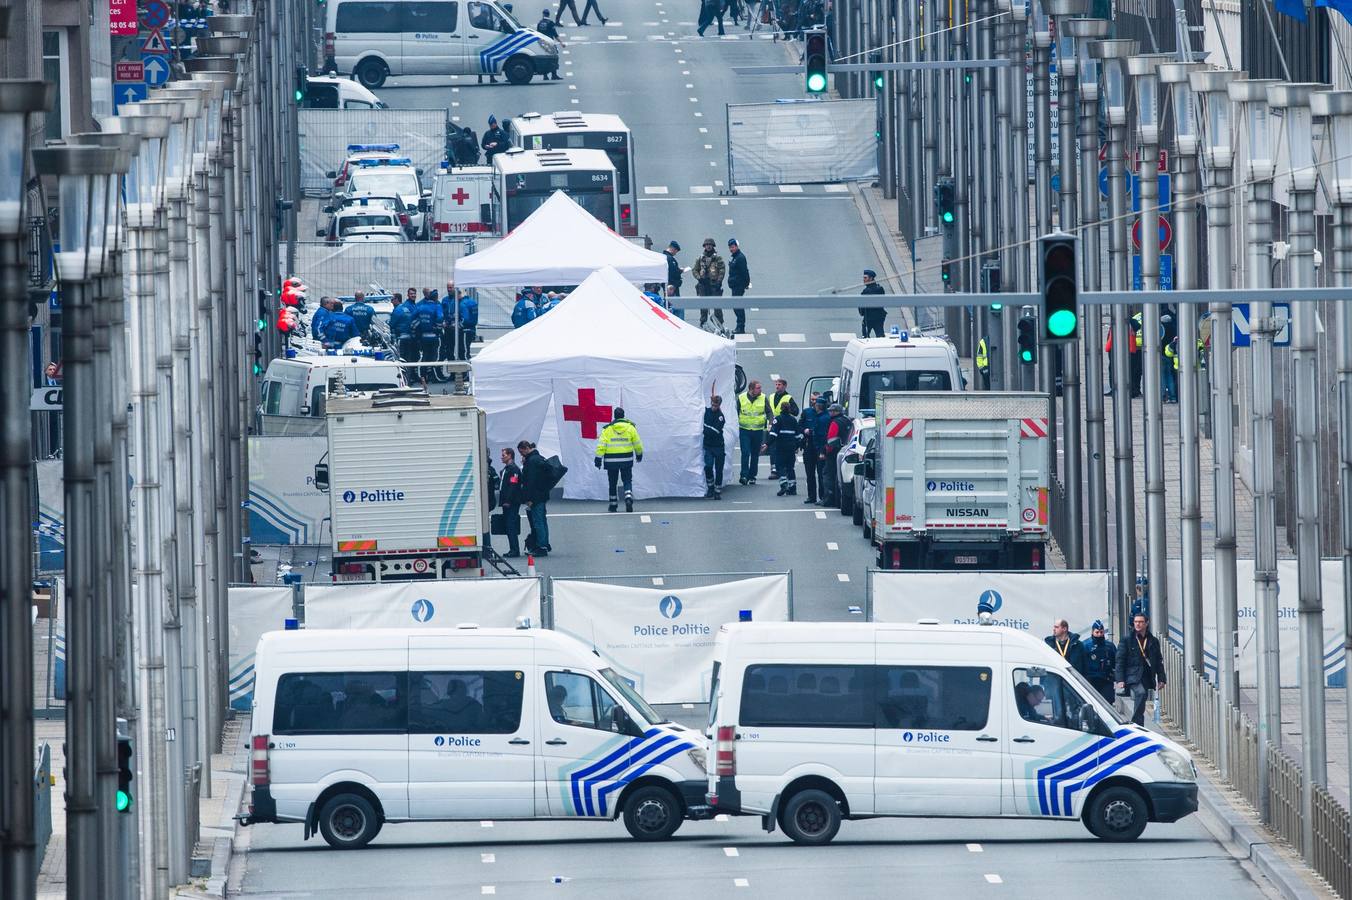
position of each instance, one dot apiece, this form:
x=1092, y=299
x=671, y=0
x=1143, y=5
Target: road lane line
x=832, y=545
x=730, y=851
x=837, y=188
x=488, y=889
x=760, y=331
x=704, y=131
x=769, y=353
x=744, y=338
x=793, y=338
x=994, y=879
x=486, y=824
x=820, y=514
x=655, y=189
x=646, y=520
x=650, y=548
x=658, y=581
x=722, y=817
x=842, y=577
x=708, y=146
x=790, y=188
x=974, y=848
x=740, y=882
x=487, y=857
x=701, y=189
x=727, y=221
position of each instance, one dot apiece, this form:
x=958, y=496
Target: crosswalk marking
x=655, y=189
x=745, y=338
x=837, y=189
x=701, y=189
x=793, y=338
x=842, y=576
x=748, y=189
x=842, y=335
x=790, y=188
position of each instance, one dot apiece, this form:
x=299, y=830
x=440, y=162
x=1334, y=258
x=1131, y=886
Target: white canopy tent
x=559, y=243
x=557, y=380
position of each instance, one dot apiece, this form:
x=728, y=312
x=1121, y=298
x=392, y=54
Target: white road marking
x=712, y=163
x=646, y=520
x=842, y=335
x=974, y=848
x=688, y=86
x=486, y=824
x=730, y=851
x=769, y=353
x=727, y=37
x=572, y=87
x=650, y=548
x=790, y=188
x=744, y=338
x=722, y=203
x=820, y=514
x=574, y=100
x=701, y=189
x=760, y=331
x=455, y=90
x=994, y=879
x=683, y=71
x=660, y=189
x=694, y=99
x=699, y=115
x=658, y=581
x=678, y=49
x=837, y=189
x=708, y=146
x=457, y=102
x=617, y=37
x=749, y=189
x=687, y=706
x=727, y=221
x=487, y=857
x=488, y=889
x=722, y=817
x=565, y=53
x=740, y=882
x=841, y=576
x=718, y=184
x=774, y=376
x=455, y=118
x=611, y=23
x=793, y=338
x=832, y=545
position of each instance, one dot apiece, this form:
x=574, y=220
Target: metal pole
x=1042, y=143
x=985, y=147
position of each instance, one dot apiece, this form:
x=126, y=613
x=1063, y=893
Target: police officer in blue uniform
x=362, y=313
x=401, y=327
x=339, y=328
x=427, y=327
x=1100, y=661
x=318, y=320
x=469, y=323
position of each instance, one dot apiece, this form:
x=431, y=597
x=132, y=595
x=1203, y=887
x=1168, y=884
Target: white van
x=332, y=92
x=818, y=722
x=356, y=728
x=462, y=201
x=298, y=386
x=374, y=39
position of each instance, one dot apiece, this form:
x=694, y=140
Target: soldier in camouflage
x=708, y=271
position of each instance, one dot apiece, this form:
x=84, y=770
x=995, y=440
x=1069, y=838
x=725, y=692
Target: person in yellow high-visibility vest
x=983, y=364
x=753, y=415
x=618, y=448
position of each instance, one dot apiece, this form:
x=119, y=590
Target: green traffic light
x=1027, y=355
x=261, y=323
x=123, y=801
x=300, y=95
x=948, y=217
x=816, y=82
x=878, y=81
x=1061, y=323
x=996, y=307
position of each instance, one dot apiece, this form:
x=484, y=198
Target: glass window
x=482, y=15
x=423, y=17
x=574, y=699
x=599, y=203
x=367, y=220
x=368, y=17
x=318, y=398
x=1047, y=699
x=465, y=702
x=620, y=160
x=356, y=104
x=321, y=96
x=626, y=690
x=948, y=698
x=909, y=380
x=340, y=703
x=51, y=73
x=402, y=182
x=808, y=696
x=272, y=398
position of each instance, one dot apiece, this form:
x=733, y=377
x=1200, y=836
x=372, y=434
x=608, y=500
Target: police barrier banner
x=1028, y=601
x=801, y=141
x=253, y=610
x=285, y=507
x=662, y=640
x=337, y=270
x=489, y=602
x=1288, y=621
x=325, y=135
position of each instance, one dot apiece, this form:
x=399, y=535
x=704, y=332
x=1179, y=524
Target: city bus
x=524, y=179
x=590, y=131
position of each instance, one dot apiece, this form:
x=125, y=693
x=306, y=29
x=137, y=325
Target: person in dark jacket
x=1027, y=698
x=535, y=489
x=674, y=277
x=874, y=318
x=427, y=326
x=339, y=328
x=828, y=472
x=402, y=320
x=469, y=323
x=549, y=29
x=783, y=440
x=362, y=313
x=1140, y=667
x=739, y=279
x=1100, y=661
x=494, y=141
x=813, y=426
x=715, y=448
x=510, y=496
x=1067, y=643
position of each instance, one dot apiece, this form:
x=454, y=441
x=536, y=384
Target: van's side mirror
x=321, y=232
x=330, y=174
x=1090, y=723
x=328, y=210
x=486, y=213
x=870, y=468
x=620, y=722
x=425, y=205
x=322, y=477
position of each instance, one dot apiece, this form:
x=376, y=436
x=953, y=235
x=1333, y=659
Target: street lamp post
x=19, y=100
x=83, y=209
x=1294, y=100
x=1113, y=56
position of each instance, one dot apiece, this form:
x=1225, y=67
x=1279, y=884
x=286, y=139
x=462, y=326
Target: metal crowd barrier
x=42, y=801
x=1332, y=842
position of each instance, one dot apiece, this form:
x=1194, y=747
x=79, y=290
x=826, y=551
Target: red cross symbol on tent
x=662, y=314
x=459, y=196
x=588, y=412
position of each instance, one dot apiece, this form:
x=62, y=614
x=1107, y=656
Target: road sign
x=156, y=69
x=154, y=44
x=1163, y=164
x=1165, y=194
x=156, y=14
x=1166, y=272
x=128, y=71
x=1166, y=234
x=130, y=92
x=1239, y=318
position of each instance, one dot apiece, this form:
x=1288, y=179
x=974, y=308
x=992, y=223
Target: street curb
x=877, y=225
x=1244, y=841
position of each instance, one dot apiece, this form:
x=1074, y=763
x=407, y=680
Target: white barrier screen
x=801, y=142
x=285, y=507
x=336, y=270
x=1028, y=601
x=663, y=640
x=326, y=133
x=253, y=610
x=487, y=602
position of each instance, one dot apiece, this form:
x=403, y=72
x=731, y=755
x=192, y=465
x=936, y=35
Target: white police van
x=353, y=729
x=818, y=722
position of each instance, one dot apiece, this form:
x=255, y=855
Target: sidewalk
x=211, y=856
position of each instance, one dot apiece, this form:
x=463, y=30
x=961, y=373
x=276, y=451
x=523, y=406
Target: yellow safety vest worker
x=983, y=361
x=619, y=442
x=751, y=413
x=777, y=406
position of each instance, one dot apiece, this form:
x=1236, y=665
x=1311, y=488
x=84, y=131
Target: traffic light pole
x=1125, y=476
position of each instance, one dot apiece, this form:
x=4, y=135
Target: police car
x=356, y=153
x=364, y=212
x=388, y=234
x=390, y=176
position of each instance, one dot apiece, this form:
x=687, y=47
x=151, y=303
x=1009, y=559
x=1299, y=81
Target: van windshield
x=903, y=380
x=650, y=715
x=403, y=183
x=1088, y=690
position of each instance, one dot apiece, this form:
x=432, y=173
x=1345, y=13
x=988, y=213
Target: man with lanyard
x=1140, y=668
x=1067, y=643
x=1100, y=659
x=753, y=415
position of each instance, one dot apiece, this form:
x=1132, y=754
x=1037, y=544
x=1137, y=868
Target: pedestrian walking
x=1100, y=661
x=873, y=317
x=569, y=5
x=784, y=440
x=983, y=363
x=1139, y=666
x=739, y=279
x=510, y=497
x=550, y=29
x=618, y=448
x=494, y=141
x=813, y=424
x=753, y=415
x=674, y=277
x=586, y=12
x=828, y=474
x=708, y=11
x=714, y=448
x=1067, y=643
x=535, y=487
x=709, y=270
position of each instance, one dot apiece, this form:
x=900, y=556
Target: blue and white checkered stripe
x=1058, y=782
x=491, y=58
x=590, y=785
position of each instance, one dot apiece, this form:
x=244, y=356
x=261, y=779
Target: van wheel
x=518, y=70
x=371, y=73
x=1117, y=814
x=652, y=814
x=348, y=821
x=811, y=817
x=868, y=531
x=846, y=500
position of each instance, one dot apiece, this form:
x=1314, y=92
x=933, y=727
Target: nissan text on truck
x=395, y=522
x=961, y=481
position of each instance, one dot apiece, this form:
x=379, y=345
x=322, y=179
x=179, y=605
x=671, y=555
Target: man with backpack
x=837, y=436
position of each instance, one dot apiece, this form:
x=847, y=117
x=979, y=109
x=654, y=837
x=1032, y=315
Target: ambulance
x=462, y=201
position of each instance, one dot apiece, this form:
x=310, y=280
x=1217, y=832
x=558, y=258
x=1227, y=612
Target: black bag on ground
x=556, y=470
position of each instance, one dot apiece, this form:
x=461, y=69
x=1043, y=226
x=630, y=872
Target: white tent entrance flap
x=559, y=243
x=557, y=381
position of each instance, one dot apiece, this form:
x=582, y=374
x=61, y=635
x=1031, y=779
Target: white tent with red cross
x=557, y=381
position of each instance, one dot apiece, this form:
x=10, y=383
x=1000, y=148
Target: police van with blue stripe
x=356, y=728
x=372, y=40
x=813, y=723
